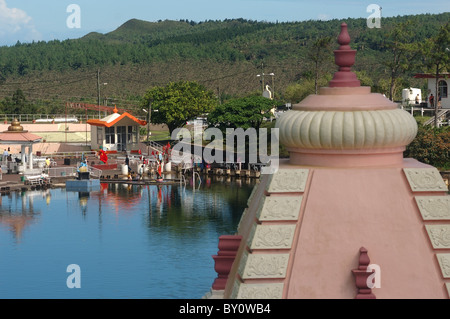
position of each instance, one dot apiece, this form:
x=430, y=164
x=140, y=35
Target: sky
x=45, y=20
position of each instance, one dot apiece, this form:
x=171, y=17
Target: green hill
x=223, y=55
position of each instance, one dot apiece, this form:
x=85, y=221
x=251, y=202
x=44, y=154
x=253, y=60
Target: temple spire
x=344, y=58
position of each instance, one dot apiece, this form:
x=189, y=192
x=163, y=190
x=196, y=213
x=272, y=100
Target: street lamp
x=148, y=128
x=273, y=85
x=263, y=89
x=149, y=117
x=262, y=81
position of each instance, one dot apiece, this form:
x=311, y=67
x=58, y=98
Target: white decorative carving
x=273, y=237
x=425, y=180
x=439, y=235
x=346, y=130
x=275, y=208
x=444, y=263
x=447, y=285
x=288, y=181
x=260, y=291
x=434, y=207
x=243, y=263
x=251, y=235
x=265, y=266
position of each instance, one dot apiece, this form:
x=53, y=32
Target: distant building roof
x=431, y=75
x=114, y=118
x=16, y=135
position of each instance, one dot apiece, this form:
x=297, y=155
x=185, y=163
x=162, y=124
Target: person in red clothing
x=103, y=156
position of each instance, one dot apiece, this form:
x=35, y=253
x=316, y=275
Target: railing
x=155, y=146
x=439, y=115
x=413, y=109
x=94, y=172
x=70, y=154
x=62, y=171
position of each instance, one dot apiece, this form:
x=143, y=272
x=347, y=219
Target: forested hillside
x=225, y=56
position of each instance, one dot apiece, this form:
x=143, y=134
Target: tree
x=437, y=58
x=242, y=113
x=296, y=92
x=402, y=51
x=18, y=104
x=178, y=102
x=319, y=53
x=248, y=114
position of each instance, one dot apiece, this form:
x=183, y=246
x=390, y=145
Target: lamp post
x=273, y=85
x=148, y=131
x=149, y=116
x=263, y=76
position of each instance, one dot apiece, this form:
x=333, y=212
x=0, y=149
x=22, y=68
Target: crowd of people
x=142, y=164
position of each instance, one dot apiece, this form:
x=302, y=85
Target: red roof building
x=116, y=132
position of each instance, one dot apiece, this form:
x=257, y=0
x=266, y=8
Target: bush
x=431, y=146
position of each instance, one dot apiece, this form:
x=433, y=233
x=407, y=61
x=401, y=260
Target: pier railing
x=95, y=172
x=62, y=171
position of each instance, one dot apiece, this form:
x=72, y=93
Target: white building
x=411, y=95
x=443, y=84
x=116, y=132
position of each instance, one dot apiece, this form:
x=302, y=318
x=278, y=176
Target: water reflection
x=131, y=241
x=18, y=213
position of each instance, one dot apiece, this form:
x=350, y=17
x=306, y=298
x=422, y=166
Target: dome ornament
x=15, y=126
x=344, y=58
x=345, y=124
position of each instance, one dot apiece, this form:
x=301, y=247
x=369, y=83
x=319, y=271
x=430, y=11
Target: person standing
x=47, y=165
x=431, y=100
x=127, y=162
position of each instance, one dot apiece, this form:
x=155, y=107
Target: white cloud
x=15, y=24
x=324, y=16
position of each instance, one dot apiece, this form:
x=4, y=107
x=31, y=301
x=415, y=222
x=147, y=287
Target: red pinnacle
x=344, y=58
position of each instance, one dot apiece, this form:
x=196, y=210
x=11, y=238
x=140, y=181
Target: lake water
x=129, y=241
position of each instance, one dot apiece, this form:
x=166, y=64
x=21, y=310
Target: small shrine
x=116, y=132
x=346, y=216
x=16, y=135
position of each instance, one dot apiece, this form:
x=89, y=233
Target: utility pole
x=149, y=116
x=98, y=91
x=262, y=76
x=263, y=81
